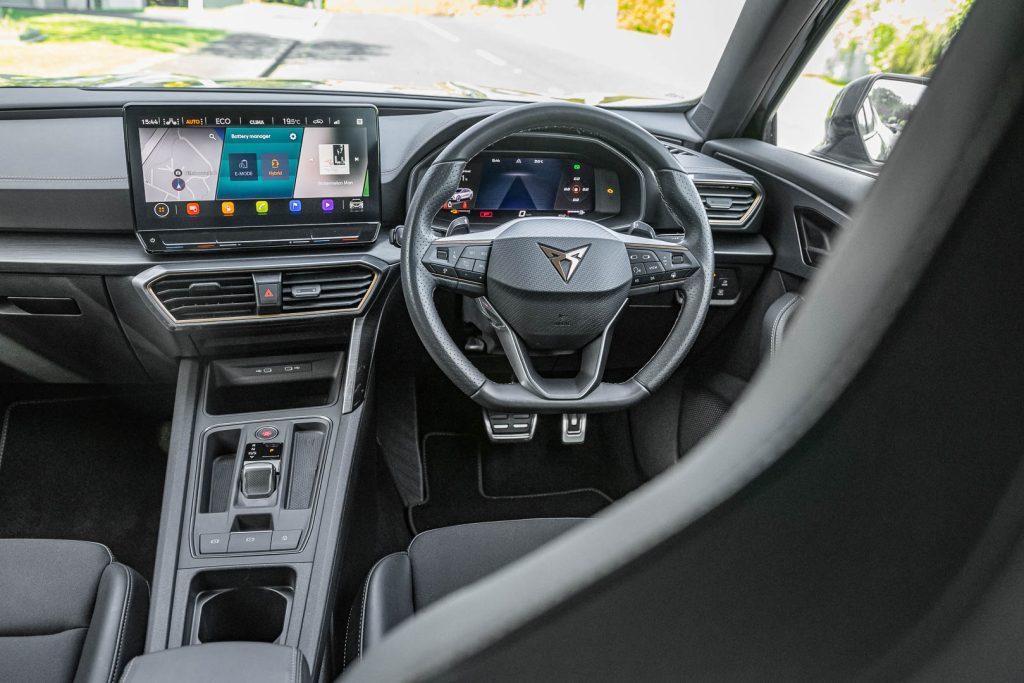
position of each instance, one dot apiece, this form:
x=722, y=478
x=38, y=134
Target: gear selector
x=260, y=469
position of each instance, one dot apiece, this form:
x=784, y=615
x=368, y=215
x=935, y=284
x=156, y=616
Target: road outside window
x=860, y=87
x=615, y=52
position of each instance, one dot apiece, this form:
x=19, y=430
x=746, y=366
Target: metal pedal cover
x=504, y=427
x=574, y=428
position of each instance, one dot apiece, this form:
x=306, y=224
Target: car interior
x=711, y=409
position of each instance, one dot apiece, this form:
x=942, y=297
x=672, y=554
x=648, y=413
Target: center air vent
x=198, y=296
x=728, y=203
x=342, y=288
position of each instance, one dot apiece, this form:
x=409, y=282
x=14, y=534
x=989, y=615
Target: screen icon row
x=262, y=207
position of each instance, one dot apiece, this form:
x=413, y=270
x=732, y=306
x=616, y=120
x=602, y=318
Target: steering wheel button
x=638, y=269
x=480, y=266
x=442, y=254
x=465, y=264
x=476, y=251
x=655, y=267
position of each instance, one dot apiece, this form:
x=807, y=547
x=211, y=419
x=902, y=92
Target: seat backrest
x=852, y=508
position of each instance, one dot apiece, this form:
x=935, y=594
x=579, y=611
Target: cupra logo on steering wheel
x=565, y=262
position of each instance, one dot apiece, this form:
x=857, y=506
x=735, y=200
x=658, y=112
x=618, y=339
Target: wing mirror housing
x=867, y=117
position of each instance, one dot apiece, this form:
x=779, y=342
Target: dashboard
x=87, y=252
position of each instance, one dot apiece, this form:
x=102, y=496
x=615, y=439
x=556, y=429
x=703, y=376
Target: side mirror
x=866, y=119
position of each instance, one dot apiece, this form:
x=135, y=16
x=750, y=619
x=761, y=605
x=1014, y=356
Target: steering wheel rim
x=680, y=199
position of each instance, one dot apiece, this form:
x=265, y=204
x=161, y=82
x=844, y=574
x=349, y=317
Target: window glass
x=871, y=37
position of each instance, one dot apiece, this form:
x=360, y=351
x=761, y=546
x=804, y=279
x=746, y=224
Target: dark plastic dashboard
x=68, y=243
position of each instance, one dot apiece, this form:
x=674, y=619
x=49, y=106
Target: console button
x=249, y=541
x=213, y=543
x=725, y=285
x=286, y=540
x=265, y=433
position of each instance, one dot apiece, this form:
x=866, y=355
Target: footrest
x=509, y=426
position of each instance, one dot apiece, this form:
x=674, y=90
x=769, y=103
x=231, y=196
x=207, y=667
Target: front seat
x=68, y=611
x=439, y=562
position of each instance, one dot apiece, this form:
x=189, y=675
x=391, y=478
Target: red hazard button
x=270, y=294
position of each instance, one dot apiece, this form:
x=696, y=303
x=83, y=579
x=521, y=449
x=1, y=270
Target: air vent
x=206, y=296
x=728, y=203
x=342, y=288
x=675, y=149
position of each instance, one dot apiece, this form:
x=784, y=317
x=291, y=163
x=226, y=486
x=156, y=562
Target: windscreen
x=616, y=53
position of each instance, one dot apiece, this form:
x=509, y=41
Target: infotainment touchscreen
x=216, y=177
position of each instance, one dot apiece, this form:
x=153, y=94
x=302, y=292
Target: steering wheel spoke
x=658, y=266
x=593, y=359
x=459, y=264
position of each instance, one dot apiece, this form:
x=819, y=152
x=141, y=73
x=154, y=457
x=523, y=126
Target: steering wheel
x=556, y=283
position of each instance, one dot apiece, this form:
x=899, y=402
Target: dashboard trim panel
x=144, y=281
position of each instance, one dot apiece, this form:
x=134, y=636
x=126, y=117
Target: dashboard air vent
x=325, y=289
x=203, y=296
x=728, y=203
x=675, y=149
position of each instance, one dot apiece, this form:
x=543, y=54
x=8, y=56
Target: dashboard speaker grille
x=728, y=203
x=204, y=296
x=325, y=289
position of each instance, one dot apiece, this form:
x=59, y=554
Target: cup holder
x=241, y=605
x=250, y=613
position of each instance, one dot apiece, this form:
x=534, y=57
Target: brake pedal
x=504, y=427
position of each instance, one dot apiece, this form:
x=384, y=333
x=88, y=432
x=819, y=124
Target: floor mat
x=603, y=462
x=456, y=492
x=88, y=468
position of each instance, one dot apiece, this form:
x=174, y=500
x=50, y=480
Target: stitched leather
x=118, y=625
x=437, y=563
x=239, y=662
x=385, y=601
x=439, y=182
x=94, y=609
x=684, y=204
x=776, y=320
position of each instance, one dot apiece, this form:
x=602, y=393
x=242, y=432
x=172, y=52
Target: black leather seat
x=439, y=562
x=68, y=611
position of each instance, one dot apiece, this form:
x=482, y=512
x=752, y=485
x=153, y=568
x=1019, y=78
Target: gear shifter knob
x=259, y=479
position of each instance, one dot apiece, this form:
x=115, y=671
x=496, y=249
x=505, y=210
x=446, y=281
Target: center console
x=262, y=455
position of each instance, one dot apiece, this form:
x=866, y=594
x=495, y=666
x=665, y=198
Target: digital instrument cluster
x=499, y=186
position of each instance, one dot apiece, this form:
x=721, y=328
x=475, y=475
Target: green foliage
x=906, y=49
x=504, y=4
x=647, y=16
x=81, y=28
